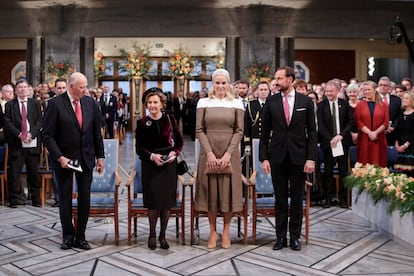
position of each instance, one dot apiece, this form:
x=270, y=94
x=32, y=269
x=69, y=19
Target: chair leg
x=192, y=226
x=129, y=229
x=238, y=226
x=177, y=230
x=2, y=191
x=42, y=194
x=307, y=226
x=116, y=227
x=135, y=227
x=254, y=222
x=183, y=227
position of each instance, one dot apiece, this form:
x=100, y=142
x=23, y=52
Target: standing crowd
x=297, y=124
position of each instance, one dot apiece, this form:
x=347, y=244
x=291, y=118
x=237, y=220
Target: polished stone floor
x=341, y=243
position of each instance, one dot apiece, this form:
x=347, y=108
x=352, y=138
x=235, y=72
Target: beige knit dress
x=219, y=127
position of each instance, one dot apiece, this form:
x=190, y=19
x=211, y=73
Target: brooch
x=148, y=123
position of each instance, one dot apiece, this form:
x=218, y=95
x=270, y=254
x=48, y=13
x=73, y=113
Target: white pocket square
x=300, y=109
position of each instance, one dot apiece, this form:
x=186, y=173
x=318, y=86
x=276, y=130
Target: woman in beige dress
x=219, y=127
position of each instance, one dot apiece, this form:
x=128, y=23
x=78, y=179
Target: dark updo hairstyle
x=154, y=91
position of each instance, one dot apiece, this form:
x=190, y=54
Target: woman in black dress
x=405, y=136
x=158, y=142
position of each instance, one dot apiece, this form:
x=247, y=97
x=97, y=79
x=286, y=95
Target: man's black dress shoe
x=280, y=243
x=295, y=245
x=82, y=244
x=66, y=244
x=14, y=203
x=327, y=203
x=344, y=205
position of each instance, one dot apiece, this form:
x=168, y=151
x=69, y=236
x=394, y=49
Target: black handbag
x=182, y=167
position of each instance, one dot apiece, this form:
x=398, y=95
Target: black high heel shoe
x=152, y=243
x=163, y=243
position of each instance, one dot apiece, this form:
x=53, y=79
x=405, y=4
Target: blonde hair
x=223, y=73
x=374, y=85
x=411, y=95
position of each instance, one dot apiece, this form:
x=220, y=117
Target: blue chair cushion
x=137, y=203
x=265, y=202
x=98, y=203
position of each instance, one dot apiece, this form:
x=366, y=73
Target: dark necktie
x=335, y=130
x=24, y=120
x=78, y=112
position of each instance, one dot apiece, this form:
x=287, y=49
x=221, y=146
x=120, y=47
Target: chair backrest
x=105, y=182
x=138, y=176
x=264, y=183
x=352, y=155
x=3, y=160
x=196, y=151
x=392, y=155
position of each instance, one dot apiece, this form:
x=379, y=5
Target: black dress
x=405, y=133
x=159, y=183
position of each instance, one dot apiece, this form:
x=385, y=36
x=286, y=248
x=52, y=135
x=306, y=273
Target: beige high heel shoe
x=225, y=241
x=212, y=241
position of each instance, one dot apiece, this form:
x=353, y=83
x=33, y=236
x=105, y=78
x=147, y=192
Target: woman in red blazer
x=371, y=117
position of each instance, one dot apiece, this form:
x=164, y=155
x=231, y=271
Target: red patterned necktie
x=24, y=120
x=384, y=99
x=78, y=112
x=286, y=108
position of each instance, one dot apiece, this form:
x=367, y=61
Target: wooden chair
x=195, y=215
x=321, y=160
x=45, y=174
x=104, y=188
x=136, y=204
x=263, y=194
x=4, y=152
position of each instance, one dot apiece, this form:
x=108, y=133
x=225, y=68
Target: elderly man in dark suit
x=288, y=150
x=72, y=132
x=394, y=107
x=22, y=124
x=335, y=122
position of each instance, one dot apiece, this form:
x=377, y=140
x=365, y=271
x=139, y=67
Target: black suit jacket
x=63, y=135
x=325, y=123
x=298, y=138
x=110, y=108
x=253, y=125
x=13, y=125
x=394, y=109
x=176, y=105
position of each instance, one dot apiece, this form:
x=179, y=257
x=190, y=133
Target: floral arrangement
x=380, y=184
x=99, y=64
x=181, y=63
x=257, y=72
x=138, y=61
x=220, y=58
x=55, y=70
